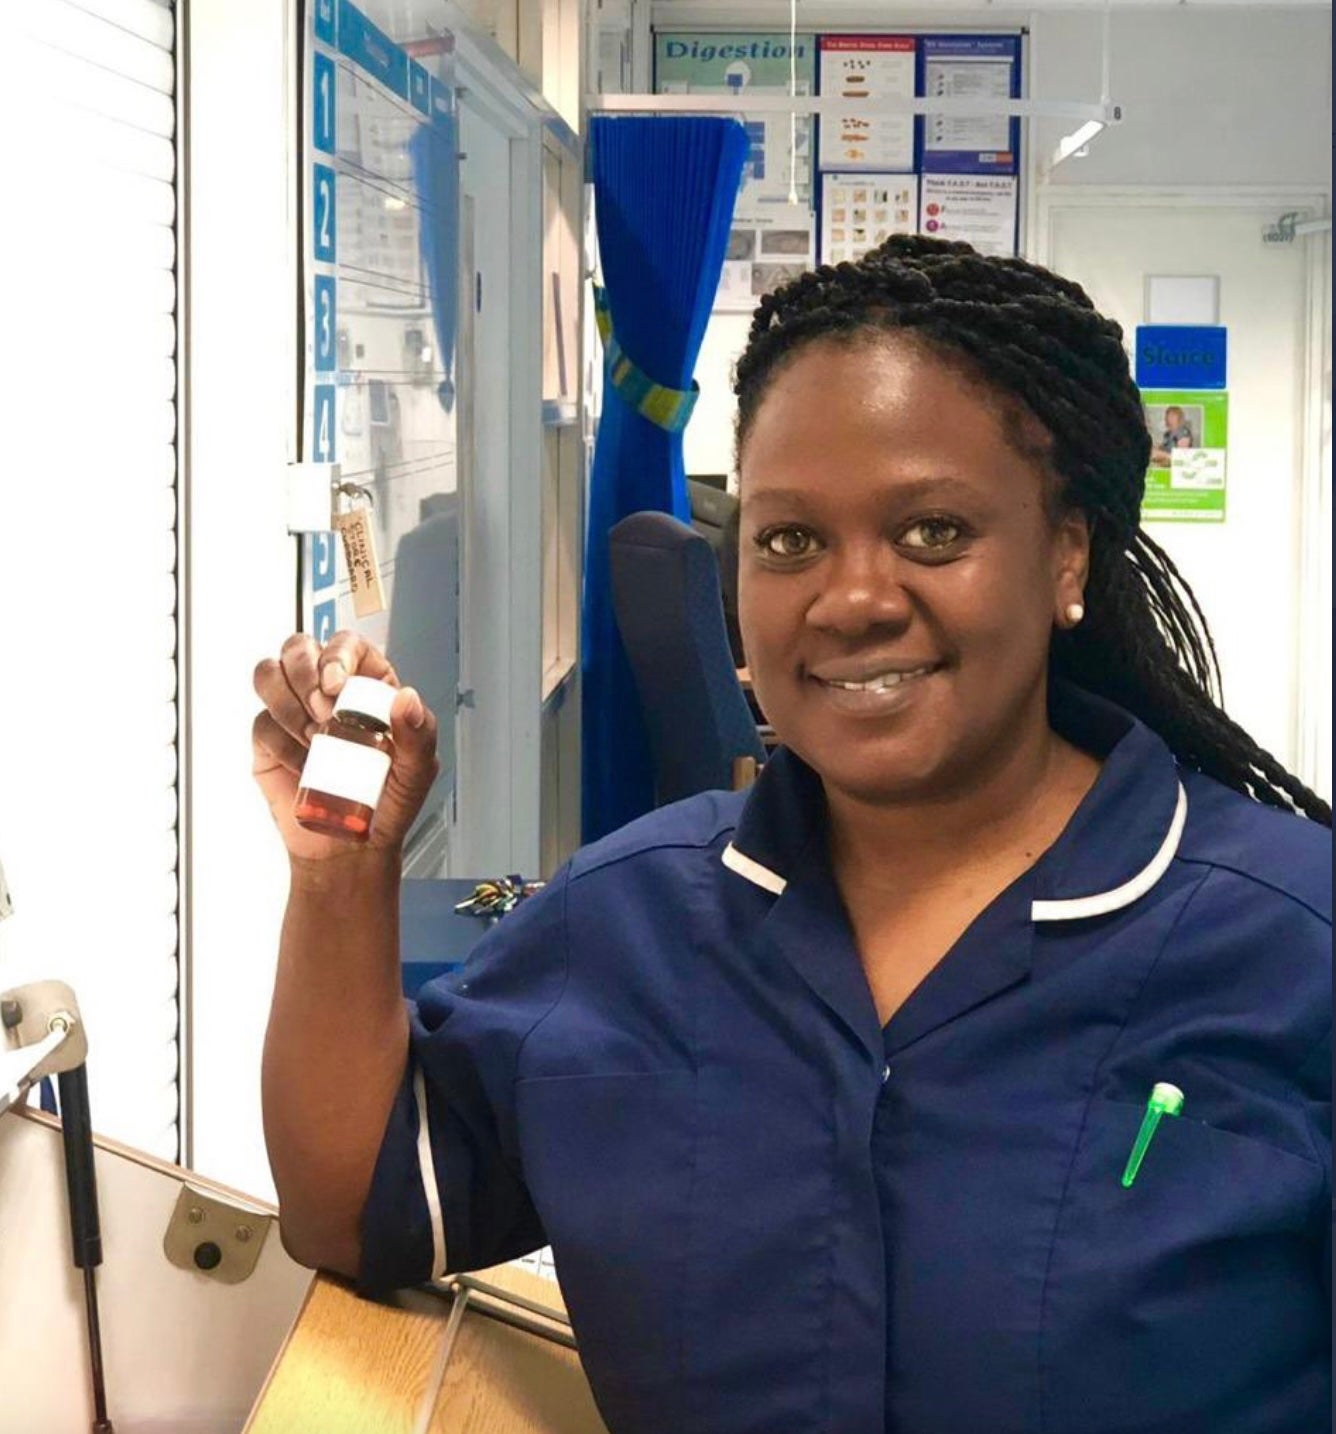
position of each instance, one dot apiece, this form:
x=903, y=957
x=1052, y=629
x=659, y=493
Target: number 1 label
x=324, y=104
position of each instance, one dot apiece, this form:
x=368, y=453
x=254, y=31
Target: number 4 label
x=322, y=433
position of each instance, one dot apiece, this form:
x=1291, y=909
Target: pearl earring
x=1074, y=612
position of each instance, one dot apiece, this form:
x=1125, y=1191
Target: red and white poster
x=867, y=67
x=978, y=208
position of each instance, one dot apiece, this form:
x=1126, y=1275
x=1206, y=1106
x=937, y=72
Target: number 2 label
x=324, y=213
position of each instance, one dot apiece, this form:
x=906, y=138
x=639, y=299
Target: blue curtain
x=436, y=179
x=664, y=189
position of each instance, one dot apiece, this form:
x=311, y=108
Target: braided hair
x=1035, y=345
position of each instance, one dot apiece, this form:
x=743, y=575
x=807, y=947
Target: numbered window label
x=325, y=82
x=323, y=621
x=323, y=211
x=418, y=88
x=322, y=437
x=322, y=561
x=324, y=21
x=326, y=346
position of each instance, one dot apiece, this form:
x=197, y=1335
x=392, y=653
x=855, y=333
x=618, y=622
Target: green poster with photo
x=1189, y=433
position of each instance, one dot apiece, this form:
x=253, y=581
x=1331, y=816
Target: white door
x=1247, y=572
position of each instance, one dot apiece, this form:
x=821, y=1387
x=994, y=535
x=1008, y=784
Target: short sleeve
x=448, y=1191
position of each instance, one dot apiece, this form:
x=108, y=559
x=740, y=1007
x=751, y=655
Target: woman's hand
x=298, y=691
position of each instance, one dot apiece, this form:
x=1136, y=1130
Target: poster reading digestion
x=867, y=67
x=1189, y=434
x=772, y=239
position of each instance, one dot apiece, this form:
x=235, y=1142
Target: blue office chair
x=665, y=594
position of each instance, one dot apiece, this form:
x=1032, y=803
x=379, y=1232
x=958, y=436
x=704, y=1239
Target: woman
x=824, y=1093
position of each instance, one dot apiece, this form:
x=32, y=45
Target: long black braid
x=1026, y=335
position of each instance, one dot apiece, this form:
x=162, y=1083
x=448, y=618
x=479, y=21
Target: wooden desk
x=411, y=1366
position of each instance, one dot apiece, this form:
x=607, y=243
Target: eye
x=932, y=534
x=785, y=540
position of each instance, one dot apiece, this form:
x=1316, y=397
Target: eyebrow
x=913, y=491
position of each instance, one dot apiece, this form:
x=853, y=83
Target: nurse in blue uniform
x=824, y=1093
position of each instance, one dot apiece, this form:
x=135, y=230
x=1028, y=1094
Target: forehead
x=851, y=419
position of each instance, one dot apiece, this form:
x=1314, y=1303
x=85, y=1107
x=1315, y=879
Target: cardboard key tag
x=359, y=551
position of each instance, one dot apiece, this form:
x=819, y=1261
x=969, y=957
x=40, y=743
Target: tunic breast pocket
x=608, y=1161
x=1190, y=1302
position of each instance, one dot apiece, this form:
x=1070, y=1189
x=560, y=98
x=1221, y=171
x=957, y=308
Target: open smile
x=877, y=693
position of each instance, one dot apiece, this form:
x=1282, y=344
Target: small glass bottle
x=350, y=755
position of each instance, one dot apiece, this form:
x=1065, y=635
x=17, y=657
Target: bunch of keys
x=495, y=898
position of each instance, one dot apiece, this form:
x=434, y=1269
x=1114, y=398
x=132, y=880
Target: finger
x=300, y=661
x=349, y=653
x=275, y=690
x=276, y=747
x=413, y=727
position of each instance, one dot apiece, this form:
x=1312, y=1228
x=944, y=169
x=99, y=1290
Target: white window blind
x=88, y=718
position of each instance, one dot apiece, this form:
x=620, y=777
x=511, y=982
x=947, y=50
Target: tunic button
x=885, y=1074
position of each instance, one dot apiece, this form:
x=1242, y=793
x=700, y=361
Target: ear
x=1071, y=566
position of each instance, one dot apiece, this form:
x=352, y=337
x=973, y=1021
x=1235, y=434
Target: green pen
x=1165, y=1099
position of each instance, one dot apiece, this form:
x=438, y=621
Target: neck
x=1009, y=813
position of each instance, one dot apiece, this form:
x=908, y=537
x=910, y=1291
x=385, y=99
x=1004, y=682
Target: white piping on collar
x=1124, y=895
x=427, y=1169
x=734, y=860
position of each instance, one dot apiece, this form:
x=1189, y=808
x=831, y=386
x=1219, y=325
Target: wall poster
x=859, y=211
x=772, y=239
x=978, y=208
x=868, y=67
x=968, y=67
x=1189, y=434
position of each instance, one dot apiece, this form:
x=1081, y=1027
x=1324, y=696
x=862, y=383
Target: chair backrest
x=665, y=593
x=714, y=515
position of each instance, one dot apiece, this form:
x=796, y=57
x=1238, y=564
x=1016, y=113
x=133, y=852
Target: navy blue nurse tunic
x=769, y=1214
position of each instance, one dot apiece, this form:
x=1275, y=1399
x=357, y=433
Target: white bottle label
x=345, y=769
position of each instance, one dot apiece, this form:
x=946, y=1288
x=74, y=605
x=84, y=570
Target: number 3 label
x=324, y=213
x=324, y=323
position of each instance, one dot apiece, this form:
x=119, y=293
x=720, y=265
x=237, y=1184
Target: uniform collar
x=1118, y=844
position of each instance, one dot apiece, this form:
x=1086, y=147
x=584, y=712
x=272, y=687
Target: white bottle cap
x=368, y=696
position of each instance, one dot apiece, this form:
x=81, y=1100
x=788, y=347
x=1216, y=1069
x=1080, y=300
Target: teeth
x=880, y=683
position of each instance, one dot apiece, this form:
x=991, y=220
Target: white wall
x=1212, y=96
x=241, y=576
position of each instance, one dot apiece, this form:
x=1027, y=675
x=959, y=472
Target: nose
x=862, y=588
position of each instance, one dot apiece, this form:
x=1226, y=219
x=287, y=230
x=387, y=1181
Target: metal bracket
x=43, y=1036
x=218, y=1238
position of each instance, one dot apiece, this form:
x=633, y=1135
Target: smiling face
x=899, y=573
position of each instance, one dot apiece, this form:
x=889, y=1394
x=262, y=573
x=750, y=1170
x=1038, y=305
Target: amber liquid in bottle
x=338, y=814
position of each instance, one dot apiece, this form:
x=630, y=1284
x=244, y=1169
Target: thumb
x=414, y=769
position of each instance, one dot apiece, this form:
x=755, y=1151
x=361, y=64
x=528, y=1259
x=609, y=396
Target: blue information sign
x=323, y=200
x=1181, y=356
x=322, y=561
x=323, y=98
x=373, y=49
x=325, y=324
x=324, y=21
x=418, y=87
x=441, y=100
x=323, y=621
x=322, y=429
